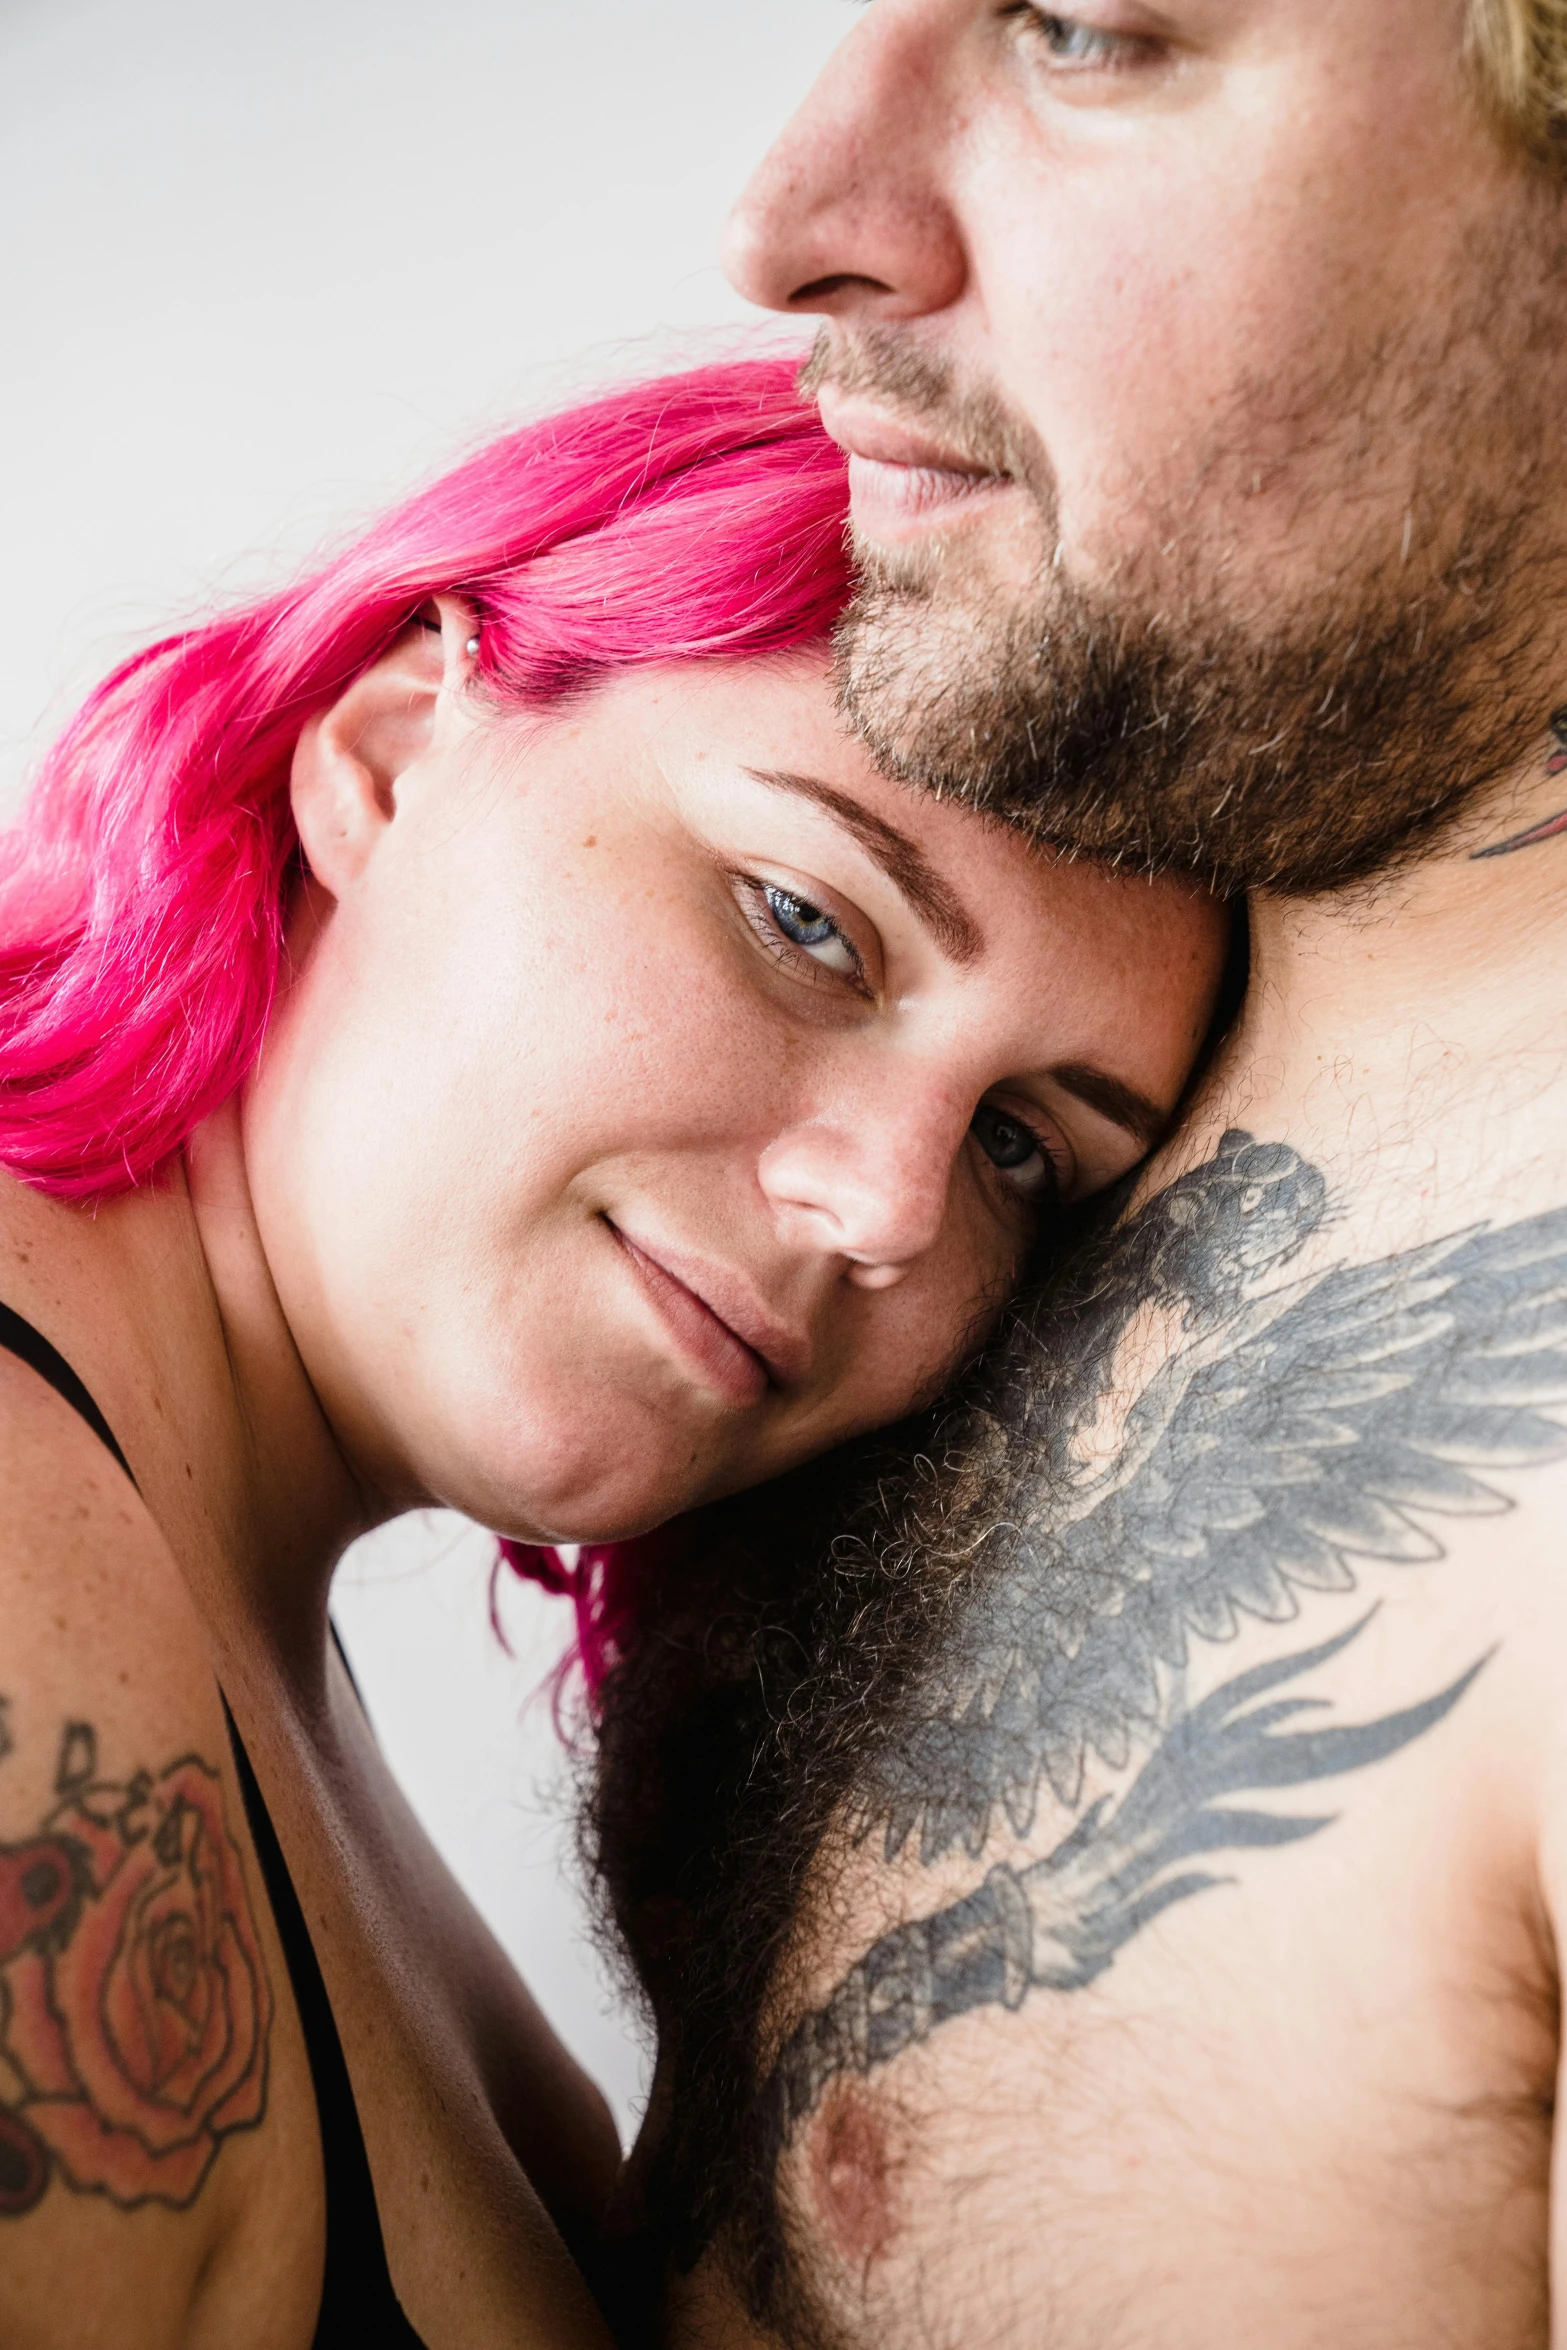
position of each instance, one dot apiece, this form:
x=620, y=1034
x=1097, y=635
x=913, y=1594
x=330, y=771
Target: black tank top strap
x=359, y=2305
x=21, y=1339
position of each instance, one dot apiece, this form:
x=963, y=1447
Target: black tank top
x=359, y=2308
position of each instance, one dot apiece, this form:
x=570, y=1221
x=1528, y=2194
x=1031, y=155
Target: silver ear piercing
x=473, y=644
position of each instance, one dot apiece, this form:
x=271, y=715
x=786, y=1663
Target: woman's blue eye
x=805, y=926
x=1005, y=1141
x=1014, y=1150
x=798, y=919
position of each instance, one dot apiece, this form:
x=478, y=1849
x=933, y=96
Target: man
x=1171, y=1957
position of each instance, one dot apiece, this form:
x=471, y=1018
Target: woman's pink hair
x=605, y=1586
x=143, y=891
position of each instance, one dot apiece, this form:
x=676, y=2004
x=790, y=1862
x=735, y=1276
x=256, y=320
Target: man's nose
x=872, y=1189
x=846, y=213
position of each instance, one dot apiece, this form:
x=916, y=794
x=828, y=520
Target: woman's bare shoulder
x=90, y=1596
x=142, y=2052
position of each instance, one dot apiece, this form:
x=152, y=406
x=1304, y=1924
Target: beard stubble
x=1153, y=720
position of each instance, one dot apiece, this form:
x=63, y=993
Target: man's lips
x=898, y=477
x=739, y=1347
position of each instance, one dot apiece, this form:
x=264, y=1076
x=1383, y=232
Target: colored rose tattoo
x=135, y=2010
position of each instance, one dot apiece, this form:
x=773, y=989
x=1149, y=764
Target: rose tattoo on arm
x=135, y=2009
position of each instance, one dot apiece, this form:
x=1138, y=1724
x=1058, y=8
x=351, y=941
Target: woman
x=472, y=1030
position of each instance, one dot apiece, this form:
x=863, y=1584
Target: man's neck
x=1387, y=1027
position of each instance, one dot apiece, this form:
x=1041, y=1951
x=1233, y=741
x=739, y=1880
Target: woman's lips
x=727, y=1365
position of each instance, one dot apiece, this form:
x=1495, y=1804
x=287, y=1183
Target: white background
x=262, y=267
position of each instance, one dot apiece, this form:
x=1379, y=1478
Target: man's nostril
x=820, y=289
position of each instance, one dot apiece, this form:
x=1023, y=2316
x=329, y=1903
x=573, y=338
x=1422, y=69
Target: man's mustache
x=972, y=421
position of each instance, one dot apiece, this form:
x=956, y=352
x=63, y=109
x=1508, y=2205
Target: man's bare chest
x=1180, y=1968
x=1306, y=2096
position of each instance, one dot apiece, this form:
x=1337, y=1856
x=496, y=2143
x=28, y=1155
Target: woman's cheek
x=913, y=1347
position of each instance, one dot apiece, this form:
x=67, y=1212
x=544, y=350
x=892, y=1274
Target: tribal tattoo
x=135, y=2008
x=1553, y=826
x=1298, y=1431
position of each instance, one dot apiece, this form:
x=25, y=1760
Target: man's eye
x=814, y=933
x=1016, y=1152
x=1068, y=41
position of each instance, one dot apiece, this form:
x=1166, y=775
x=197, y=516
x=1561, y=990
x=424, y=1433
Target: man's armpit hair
x=731, y=1735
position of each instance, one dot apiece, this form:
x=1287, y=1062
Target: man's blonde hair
x=1520, y=50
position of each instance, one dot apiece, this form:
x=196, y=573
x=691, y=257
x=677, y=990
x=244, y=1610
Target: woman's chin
x=600, y=1476
x=604, y=1508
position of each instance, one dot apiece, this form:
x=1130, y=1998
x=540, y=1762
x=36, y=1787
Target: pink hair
x=143, y=891
x=604, y=1587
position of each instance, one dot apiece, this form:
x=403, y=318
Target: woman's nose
x=845, y=214
x=873, y=1191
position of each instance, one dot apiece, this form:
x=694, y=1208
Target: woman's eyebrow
x=901, y=859
x=1122, y=1104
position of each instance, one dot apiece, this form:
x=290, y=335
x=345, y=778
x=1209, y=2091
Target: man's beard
x=1155, y=720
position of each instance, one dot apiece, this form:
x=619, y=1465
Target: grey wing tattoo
x=1297, y=1430
x=1058, y=1925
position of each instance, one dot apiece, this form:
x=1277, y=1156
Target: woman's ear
x=350, y=759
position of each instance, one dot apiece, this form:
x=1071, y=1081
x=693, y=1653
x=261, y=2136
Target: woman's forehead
x=730, y=726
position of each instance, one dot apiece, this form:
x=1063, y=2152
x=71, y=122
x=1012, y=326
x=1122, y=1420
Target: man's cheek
x=1122, y=356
